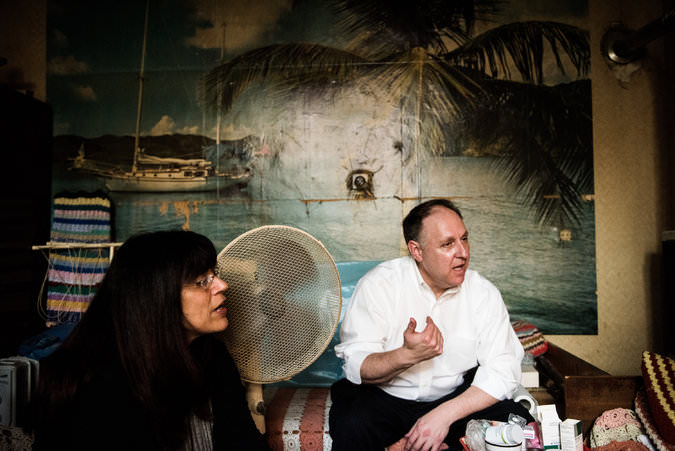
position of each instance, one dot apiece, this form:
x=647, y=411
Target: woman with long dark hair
x=144, y=369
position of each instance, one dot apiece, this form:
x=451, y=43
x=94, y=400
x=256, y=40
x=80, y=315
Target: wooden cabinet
x=581, y=390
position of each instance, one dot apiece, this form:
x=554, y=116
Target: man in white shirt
x=427, y=344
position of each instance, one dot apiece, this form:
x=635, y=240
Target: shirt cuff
x=496, y=384
x=352, y=366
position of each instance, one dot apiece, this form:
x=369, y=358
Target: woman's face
x=203, y=303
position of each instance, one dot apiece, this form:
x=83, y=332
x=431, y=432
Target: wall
x=23, y=43
x=631, y=177
x=630, y=197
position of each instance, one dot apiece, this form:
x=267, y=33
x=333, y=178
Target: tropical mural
x=337, y=117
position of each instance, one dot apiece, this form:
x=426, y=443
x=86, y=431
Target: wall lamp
x=621, y=45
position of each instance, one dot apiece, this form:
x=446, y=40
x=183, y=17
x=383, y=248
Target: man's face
x=442, y=252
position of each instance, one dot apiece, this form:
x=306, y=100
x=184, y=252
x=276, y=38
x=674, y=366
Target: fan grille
x=283, y=303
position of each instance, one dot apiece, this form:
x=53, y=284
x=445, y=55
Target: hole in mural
x=360, y=184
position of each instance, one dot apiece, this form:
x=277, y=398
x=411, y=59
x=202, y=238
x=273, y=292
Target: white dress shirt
x=472, y=318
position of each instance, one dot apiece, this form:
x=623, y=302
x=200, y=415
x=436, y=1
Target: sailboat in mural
x=160, y=174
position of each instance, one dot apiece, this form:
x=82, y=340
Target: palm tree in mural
x=448, y=84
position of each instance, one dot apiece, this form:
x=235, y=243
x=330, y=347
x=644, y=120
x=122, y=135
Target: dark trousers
x=363, y=417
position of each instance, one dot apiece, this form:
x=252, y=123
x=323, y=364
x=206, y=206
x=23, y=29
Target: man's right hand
x=380, y=367
x=423, y=345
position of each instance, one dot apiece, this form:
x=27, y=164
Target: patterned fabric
x=398, y=446
x=530, y=337
x=15, y=439
x=75, y=273
x=658, y=373
x=617, y=417
x=643, y=413
x=81, y=220
x=627, y=445
x=616, y=425
x=297, y=418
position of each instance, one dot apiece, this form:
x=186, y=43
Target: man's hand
x=380, y=367
x=428, y=432
x=431, y=429
x=423, y=345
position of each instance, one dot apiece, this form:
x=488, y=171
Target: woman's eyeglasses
x=206, y=282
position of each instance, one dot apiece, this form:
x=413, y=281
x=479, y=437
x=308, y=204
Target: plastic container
x=504, y=435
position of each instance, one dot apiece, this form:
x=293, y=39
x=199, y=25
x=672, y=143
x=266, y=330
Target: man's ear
x=415, y=250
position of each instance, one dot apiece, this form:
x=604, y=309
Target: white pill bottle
x=504, y=435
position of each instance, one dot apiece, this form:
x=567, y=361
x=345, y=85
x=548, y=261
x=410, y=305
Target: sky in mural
x=95, y=46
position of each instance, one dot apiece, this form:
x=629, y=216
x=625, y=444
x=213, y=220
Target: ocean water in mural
x=543, y=278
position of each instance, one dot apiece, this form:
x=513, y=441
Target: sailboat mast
x=220, y=89
x=140, y=91
x=220, y=100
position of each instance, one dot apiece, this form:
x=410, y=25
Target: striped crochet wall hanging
x=75, y=273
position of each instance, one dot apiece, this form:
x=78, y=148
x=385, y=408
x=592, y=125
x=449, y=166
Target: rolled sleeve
x=500, y=379
x=352, y=366
x=362, y=333
x=500, y=352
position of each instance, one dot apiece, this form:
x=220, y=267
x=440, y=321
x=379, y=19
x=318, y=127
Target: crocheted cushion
x=642, y=411
x=615, y=425
x=530, y=337
x=658, y=373
x=617, y=417
x=297, y=418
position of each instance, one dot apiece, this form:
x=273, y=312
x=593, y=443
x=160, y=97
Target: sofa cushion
x=530, y=337
x=643, y=413
x=617, y=425
x=297, y=418
x=658, y=373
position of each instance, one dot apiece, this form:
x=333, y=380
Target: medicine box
x=571, y=435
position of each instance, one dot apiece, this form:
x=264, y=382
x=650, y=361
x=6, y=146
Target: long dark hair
x=136, y=321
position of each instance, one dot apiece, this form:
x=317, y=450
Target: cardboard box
x=530, y=376
x=571, y=435
x=550, y=426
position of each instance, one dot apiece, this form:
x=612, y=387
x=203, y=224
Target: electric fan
x=284, y=302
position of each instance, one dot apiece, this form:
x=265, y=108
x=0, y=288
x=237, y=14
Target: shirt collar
x=421, y=282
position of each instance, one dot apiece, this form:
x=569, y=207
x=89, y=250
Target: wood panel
x=586, y=397
x=583, y=391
